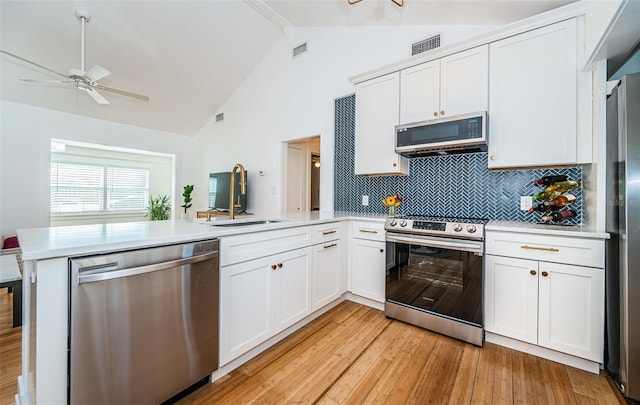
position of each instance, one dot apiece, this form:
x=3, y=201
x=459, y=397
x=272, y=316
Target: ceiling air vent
x=425, y=45
x=219, y=117
x=300, y=49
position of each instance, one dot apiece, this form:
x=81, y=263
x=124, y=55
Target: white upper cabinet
x=455, y=84
x=420, y=92
x=377, y=114
x=532, y=98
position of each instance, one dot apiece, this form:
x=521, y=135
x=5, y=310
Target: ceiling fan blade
x=48, y=81
x=95, y=95
x=122, y=92
x=34, y=64
x=96, y=73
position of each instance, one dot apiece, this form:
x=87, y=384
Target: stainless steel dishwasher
x=143, y=323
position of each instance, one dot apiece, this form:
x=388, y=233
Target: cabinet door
x=292, y=288
x=368, y=270
x=572, y=310
x=464, y=82
x=532, y=97
x=246, y=307
x=420, y=92
x=511, y=297
x=326, y=273
x=377, y=114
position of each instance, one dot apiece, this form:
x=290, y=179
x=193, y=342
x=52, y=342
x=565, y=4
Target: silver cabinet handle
x=90, y=278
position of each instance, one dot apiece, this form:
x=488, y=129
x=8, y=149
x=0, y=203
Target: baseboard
x=577, y=362
x=365, y=301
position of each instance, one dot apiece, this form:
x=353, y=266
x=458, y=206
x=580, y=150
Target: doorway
x=302, y=175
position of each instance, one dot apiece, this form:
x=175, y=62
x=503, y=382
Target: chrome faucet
x=232, y=192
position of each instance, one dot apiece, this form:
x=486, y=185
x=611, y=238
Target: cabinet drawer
x=558, y=249
x=368, y=230
x=327, y=232
x=240, y=248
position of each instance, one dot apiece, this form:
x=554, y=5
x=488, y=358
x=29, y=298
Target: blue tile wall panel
x=456, y=185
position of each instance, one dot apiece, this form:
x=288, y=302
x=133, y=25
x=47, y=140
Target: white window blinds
x=86, y=188
x=127, y=189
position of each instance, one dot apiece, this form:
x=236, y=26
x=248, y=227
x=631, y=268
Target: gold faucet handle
x=208, y=217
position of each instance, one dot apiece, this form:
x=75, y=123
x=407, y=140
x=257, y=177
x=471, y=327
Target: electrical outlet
x=365, y=200
x=526, y=202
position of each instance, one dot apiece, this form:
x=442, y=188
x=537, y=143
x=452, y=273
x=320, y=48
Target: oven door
x=441, y=276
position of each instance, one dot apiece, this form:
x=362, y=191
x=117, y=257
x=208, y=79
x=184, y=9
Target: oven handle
x=446, y=243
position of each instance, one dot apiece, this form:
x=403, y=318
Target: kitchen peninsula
x=315, y=237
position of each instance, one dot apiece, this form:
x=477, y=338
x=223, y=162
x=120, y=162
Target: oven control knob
x=393, y=222
x=403, y=223
x=457, y=227
x=471, y=228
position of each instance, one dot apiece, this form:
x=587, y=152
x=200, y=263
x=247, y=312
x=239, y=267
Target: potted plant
x=186, y=194
x=159, y=208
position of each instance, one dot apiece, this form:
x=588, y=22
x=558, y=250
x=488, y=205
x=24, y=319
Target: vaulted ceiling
x=189, y=56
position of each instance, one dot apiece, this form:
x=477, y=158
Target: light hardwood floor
x=354, y=355
x=10, y=350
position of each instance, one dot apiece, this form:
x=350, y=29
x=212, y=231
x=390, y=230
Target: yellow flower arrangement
x=392, y=202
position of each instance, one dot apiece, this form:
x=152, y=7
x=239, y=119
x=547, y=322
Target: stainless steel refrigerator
x=623, y=249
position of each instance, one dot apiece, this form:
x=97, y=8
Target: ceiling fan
x=83, y=80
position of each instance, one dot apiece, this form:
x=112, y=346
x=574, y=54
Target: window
x=105, y=184
x=89, y=188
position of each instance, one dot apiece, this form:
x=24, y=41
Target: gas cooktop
x=468, y=228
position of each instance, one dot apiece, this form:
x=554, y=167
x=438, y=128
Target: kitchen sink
x=243, y=222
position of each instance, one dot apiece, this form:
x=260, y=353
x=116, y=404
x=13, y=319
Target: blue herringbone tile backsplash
x=456, y=185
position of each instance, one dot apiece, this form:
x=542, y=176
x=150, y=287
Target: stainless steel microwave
x=465, y=133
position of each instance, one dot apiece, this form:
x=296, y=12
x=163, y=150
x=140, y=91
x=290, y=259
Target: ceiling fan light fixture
x=84, y=80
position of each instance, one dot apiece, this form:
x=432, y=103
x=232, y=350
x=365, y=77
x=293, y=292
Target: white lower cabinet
x=557, y=306
x=571, y=310
x=511, y=298
x=262, y=297
x=368, y=260
x=328, y=282
x=367, y=275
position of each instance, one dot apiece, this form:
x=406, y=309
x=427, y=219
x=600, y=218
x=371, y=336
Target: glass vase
x=393, y=210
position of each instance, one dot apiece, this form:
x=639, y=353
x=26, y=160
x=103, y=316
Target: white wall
x=285, y=99
x=25, y=137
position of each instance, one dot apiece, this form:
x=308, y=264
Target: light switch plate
x=365, y=200
x=526, y=202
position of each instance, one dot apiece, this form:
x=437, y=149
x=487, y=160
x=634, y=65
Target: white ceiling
x=189, y=56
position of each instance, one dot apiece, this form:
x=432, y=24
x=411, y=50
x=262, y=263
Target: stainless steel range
x=434, y=274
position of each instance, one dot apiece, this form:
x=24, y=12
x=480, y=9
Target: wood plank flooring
x=10, y=350
x=354, y=355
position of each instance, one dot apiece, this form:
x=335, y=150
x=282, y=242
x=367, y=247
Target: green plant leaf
x=188, y=189
x=159, y=208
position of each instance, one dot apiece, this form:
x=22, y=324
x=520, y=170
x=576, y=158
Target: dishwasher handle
x=90, y=278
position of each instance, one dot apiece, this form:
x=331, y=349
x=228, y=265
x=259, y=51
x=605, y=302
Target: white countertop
x=63, y=241
x=577, y=231
x=9, y=269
